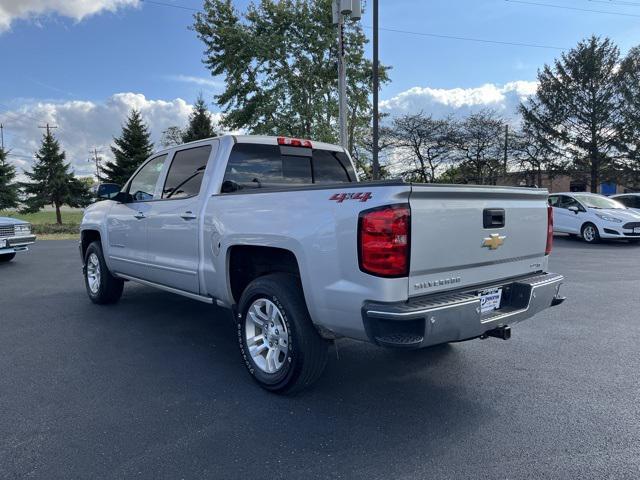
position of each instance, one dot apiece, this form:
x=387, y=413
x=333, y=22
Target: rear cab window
x=253, y=166
x=186, y=172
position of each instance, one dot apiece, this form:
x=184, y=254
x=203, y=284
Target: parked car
x=629, y=200
x=280, y=231
x=15, y=236
x=593, y=217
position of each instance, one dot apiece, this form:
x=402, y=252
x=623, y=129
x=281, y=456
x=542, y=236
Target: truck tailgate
x=453, y=245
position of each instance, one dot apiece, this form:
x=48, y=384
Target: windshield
x=597, y=201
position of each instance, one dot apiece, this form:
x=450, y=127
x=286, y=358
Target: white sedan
x=593, y=217
x=629, y=200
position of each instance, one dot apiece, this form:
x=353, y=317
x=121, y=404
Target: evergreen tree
x=8, y=189
x=577, y=108
x=51, y=181
x=200, y=125
x=629, y=127
x=131, y=149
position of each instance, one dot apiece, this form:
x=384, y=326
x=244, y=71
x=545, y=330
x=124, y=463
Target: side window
x=186, y=172
x=143, y=185
x=553, y=200
x=327, y=168
x=261, y=166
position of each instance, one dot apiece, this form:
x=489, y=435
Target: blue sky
x=58, y=61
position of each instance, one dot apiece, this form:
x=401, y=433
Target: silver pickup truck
x=280, y=231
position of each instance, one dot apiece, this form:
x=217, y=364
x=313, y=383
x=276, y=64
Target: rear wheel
x=279, y=344
x=7, y=257
x=102, y=287
x=590, y=233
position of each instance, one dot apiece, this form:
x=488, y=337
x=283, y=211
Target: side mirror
x=574, y=209
x=107, y=191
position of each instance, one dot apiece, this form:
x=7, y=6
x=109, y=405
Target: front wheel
x=7, y=257
x=279, y=344
x=102, y=287
x=590, y=233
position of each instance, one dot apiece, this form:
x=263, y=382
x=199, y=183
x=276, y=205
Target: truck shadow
x=411, y=398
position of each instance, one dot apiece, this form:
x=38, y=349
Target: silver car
x=15, y=236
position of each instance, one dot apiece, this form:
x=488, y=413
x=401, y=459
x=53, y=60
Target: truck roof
x=261, y=139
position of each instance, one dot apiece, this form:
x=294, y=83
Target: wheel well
x=589, y=223
x=246, y=263
x=86, y=238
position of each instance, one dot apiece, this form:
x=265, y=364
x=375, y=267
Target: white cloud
x=460, y=101
x=208, y=82
x=11, y=10
x=83, y=125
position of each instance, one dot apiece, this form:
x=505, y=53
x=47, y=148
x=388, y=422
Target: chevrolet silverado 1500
x=280, y=231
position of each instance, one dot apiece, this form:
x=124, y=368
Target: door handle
x=188, y=215
x=139, y=215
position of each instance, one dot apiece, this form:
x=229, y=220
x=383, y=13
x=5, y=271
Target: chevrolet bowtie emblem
x=494, y=241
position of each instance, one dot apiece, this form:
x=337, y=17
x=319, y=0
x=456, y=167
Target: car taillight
x=549, y=247
x=383, y=240
x=294, y=142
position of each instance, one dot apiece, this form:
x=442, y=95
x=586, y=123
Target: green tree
x=8, y=188
x=279, y=60
x=51, y=181
x=577, y=108
x=131, y=149
x=629, y=126
x=200, y=125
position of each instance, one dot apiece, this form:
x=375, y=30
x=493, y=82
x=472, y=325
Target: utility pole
x=376, y=83
x=506, y=149
x=342, y=84
x=2, y=137
x=340, y=10
x=96, y=158
x=48, y=127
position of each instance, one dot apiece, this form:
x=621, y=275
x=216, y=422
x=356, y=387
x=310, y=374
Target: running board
x=193, y=296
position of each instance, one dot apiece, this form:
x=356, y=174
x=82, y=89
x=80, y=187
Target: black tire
x=590, y=238
x=109, y=287
x=7, y=257
x=307, y=351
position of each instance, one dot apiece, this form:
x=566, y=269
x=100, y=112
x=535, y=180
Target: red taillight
x=294, y=142
x=383, y=235
x=549, y=247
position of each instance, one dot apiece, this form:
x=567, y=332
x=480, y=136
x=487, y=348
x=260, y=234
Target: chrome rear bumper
x=451, y=317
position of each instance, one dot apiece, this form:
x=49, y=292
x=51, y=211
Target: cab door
x=174, y=219
x=127, y=222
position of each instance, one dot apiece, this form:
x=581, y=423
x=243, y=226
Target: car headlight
x=607, y=218
x=22, y=229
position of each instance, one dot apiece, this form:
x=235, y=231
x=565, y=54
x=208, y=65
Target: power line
x=17, y=114
x=470, y=39
x=48, y=127
x=563, y=7
x=162, y=4
x=616, y=2
x=28, y=157
x=408, y=32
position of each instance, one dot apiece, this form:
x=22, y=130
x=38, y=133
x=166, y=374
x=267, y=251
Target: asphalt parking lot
x=154, y=388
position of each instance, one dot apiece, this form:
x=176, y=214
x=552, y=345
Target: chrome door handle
x=139, y=215
x=188, y=215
